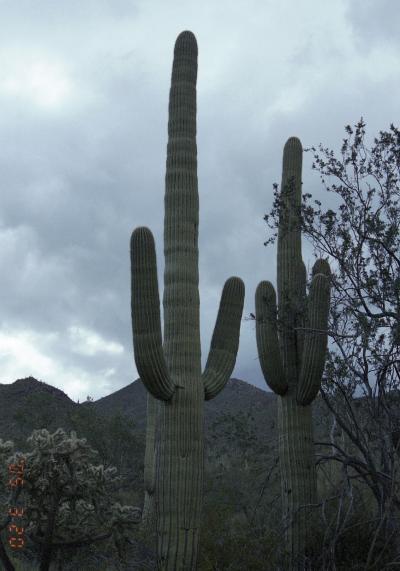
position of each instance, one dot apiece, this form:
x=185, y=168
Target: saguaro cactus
x=292, y=351
x=172, y=372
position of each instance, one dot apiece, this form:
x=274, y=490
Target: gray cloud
x=374, y=25
x=83, y=133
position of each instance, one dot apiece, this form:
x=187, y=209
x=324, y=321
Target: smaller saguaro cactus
x=292, y=346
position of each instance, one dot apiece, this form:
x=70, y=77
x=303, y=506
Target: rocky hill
x=241, y=469
x=28, y=404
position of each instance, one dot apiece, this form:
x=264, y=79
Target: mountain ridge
x=130, y=401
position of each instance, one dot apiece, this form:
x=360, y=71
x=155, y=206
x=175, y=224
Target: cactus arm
x=315, y=343
x=146, y=325
x=267, y=338
x=225, y=340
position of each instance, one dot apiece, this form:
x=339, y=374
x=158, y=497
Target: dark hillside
x=241, y=470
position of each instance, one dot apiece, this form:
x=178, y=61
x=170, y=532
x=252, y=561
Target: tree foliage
x=68, y=500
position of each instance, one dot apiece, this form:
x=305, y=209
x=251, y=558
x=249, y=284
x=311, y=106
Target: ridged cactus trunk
x=292, y=357
x=171, y=372
x=149, y=512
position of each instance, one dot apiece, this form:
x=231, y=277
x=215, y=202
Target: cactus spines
x=172, y=372
x=292, y=354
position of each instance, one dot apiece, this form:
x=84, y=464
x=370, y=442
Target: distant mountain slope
x=241, y=420
x=27, y=399
x=131, y=401
x=237, y=396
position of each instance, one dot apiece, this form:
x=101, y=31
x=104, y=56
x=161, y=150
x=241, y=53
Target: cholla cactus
x=171, y=372
x=293, y=362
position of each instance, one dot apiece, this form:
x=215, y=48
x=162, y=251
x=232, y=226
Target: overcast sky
x=83, y=132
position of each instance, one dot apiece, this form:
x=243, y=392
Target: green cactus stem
x=149, y=512
x=171, y=372
x=292, y=356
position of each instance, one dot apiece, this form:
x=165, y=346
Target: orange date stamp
x=16, y=538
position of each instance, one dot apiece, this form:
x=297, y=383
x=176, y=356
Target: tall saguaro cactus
x=292, y=351
x=171, y=372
